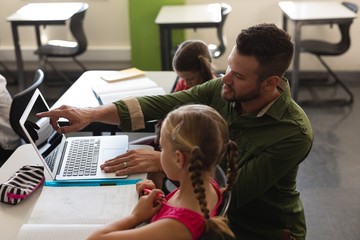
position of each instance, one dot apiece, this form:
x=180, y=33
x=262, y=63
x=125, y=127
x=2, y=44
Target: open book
x=123, y=75
x=140, y=86
x=74, y=212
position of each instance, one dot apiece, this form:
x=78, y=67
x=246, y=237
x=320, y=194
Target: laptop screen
x=40, y=130
x=55, y=149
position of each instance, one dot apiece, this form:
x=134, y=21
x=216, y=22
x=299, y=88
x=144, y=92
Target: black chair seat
x=57, y=51
x=64, y=48
x=323, y=48
x=216, y=51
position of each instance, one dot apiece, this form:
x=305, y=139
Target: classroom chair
x=321, y=49
x=218, y=50
x=19, y=103
x=64, y=48
x=220, y=178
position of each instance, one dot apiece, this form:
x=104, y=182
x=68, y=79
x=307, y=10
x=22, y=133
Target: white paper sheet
x=83, y=205
x=56, y=232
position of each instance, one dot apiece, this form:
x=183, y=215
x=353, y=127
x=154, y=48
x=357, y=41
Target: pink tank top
x=192, y=220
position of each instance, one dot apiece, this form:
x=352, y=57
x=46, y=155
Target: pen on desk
x=149, y=191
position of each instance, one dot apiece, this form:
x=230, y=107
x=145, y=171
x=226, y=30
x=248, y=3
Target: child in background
x=9, y=140
x=192, y=64
x=190, y=154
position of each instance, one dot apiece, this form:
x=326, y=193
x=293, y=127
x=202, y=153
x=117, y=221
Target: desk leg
x=38, y=42
x=19, y=61
x=165, y=45
x=37, y=34
x=296, y=62
x=285, y=23
x=168, y=50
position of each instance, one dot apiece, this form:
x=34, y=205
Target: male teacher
x=273, y=133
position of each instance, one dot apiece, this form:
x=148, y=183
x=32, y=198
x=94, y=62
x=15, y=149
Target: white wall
x=107, y=29
x=246, y=13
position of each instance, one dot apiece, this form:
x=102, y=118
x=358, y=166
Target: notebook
x=69, y=158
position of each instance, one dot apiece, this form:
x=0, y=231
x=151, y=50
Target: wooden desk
x=38, y=14
x=13, y=216
x=80, y=94
x=310, y=13
x=182, y=17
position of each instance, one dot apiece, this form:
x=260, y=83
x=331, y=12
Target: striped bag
x=23, y=182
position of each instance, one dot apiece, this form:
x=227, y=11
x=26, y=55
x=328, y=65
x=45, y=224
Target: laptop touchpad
x=110, y=153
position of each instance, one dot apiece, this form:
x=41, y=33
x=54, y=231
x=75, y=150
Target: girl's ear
x=180, y=159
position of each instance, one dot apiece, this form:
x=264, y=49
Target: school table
x=182, y=17
x=310, y=13
x=80, y=94
x=13, y=216
x=38, y=14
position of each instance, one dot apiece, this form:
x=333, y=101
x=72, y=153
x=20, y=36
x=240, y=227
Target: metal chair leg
x=340, y=102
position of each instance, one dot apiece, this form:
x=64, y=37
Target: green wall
x=144, y=33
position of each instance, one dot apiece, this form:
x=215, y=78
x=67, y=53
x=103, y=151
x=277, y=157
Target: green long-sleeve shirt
x=264, y=202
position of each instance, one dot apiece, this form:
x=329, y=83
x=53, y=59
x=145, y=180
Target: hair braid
x=232, y=170
x=195, y=169
x=184, y=128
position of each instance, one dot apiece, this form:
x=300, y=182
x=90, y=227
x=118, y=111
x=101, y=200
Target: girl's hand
x=140, y=186
x=148, y=206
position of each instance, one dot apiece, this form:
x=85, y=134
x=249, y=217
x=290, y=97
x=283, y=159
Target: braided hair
x=200, y=132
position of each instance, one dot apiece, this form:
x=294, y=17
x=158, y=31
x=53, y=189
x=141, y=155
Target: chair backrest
x=344, y=28
x=221, y=179
x=217, y=51
x=77, y=29
x=225, y=10
x=20, y=102
x=352, y=6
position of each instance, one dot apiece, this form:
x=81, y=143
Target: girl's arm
x=163, y=229
x=147, y=206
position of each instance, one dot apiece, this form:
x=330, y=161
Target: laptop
x=69, y=158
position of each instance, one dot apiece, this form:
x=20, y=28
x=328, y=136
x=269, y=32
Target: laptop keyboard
x=50, y=159
x=83, y=158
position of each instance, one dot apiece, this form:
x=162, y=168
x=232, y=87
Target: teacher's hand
x=134, y=161
x=78, y=118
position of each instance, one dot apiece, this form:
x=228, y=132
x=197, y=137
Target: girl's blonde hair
x=202, y=134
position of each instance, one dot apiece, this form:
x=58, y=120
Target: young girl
x=194, y=139
x=192, y=64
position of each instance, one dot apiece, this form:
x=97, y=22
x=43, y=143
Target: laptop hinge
x=62, y=157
